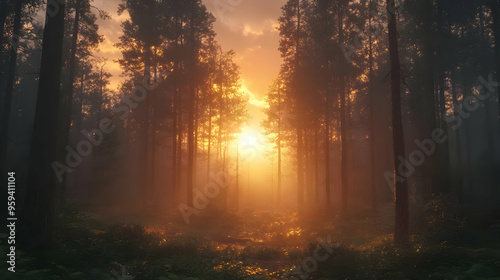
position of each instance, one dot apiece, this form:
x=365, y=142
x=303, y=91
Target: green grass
x=261, y=246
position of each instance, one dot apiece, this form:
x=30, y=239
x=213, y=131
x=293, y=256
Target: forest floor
x=258, y=245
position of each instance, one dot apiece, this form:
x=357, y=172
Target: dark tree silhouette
x=38, y=216
x=401, y=232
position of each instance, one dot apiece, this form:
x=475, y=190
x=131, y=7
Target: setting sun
x=231, y=139
x=252, y=143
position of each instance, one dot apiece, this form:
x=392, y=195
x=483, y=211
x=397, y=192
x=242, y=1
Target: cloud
x=252, y=99
x=246, y=26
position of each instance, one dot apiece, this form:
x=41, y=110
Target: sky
x=246, y=26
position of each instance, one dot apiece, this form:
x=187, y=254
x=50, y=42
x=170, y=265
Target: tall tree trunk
x=190, y=148
x=457, y=174
x=495, y=8
x=66, y=104
x=191, y=111
x=401, y=231
x=38, y=216
x=237, y=195
x=11, y=77
x=444, y=159
x=174, y=144
x=300, y=148
x=153, y=129
x=307, y=165
x=429, y=103
x=196, y=129
x=343, y=121
x=145, y=120
x=316, y=161
x=323, y=7
x=209, y=151
x=327, y=152
x=300, y=166
x=371, y=108
x=278, y=195
x=180, y=140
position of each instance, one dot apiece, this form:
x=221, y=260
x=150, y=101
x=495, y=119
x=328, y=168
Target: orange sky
x=246, y=26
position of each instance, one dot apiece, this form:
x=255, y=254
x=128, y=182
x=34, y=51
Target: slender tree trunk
x=237, y=195
x=190, y=150
x=300, y=145
x=221, y=113
x=153, y=130
x=445, y=147
x=224, y=191
x=180, y=140
x=196, y=128
x=307, y=157
x=175, y=116
x=191, y=111
x=495, y=8
x=401, y=231
x=323, y=7
x=429, y=103
x=343, y=122
x=145, y=119
x=209, y=151
x=371, y=105
x=316, y=162
x=38, y=216
x=153, y=155
x=300, y=166
x=457, y=175
x=66, y=104
x=327, y=152
x=175, y=191
x=278, y=195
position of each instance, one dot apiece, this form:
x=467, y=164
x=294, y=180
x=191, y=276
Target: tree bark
x=278, y=195
x=429, y=100
x=401, y=231
x=191, y=110
x=343, y=122
x=300, y=145
x=40, y=193
x=495, y=9
x=66, y=104
x=371, y=108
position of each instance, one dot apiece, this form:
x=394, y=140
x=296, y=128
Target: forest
x=238, y=139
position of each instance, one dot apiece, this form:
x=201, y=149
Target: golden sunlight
x=252, y=143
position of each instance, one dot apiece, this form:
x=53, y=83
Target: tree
x=495, y=9
x=401, y=232
x=11, y=76
x=38, y=216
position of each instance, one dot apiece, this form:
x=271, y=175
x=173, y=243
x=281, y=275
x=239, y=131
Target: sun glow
x=248, y=136
x=252, y=142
